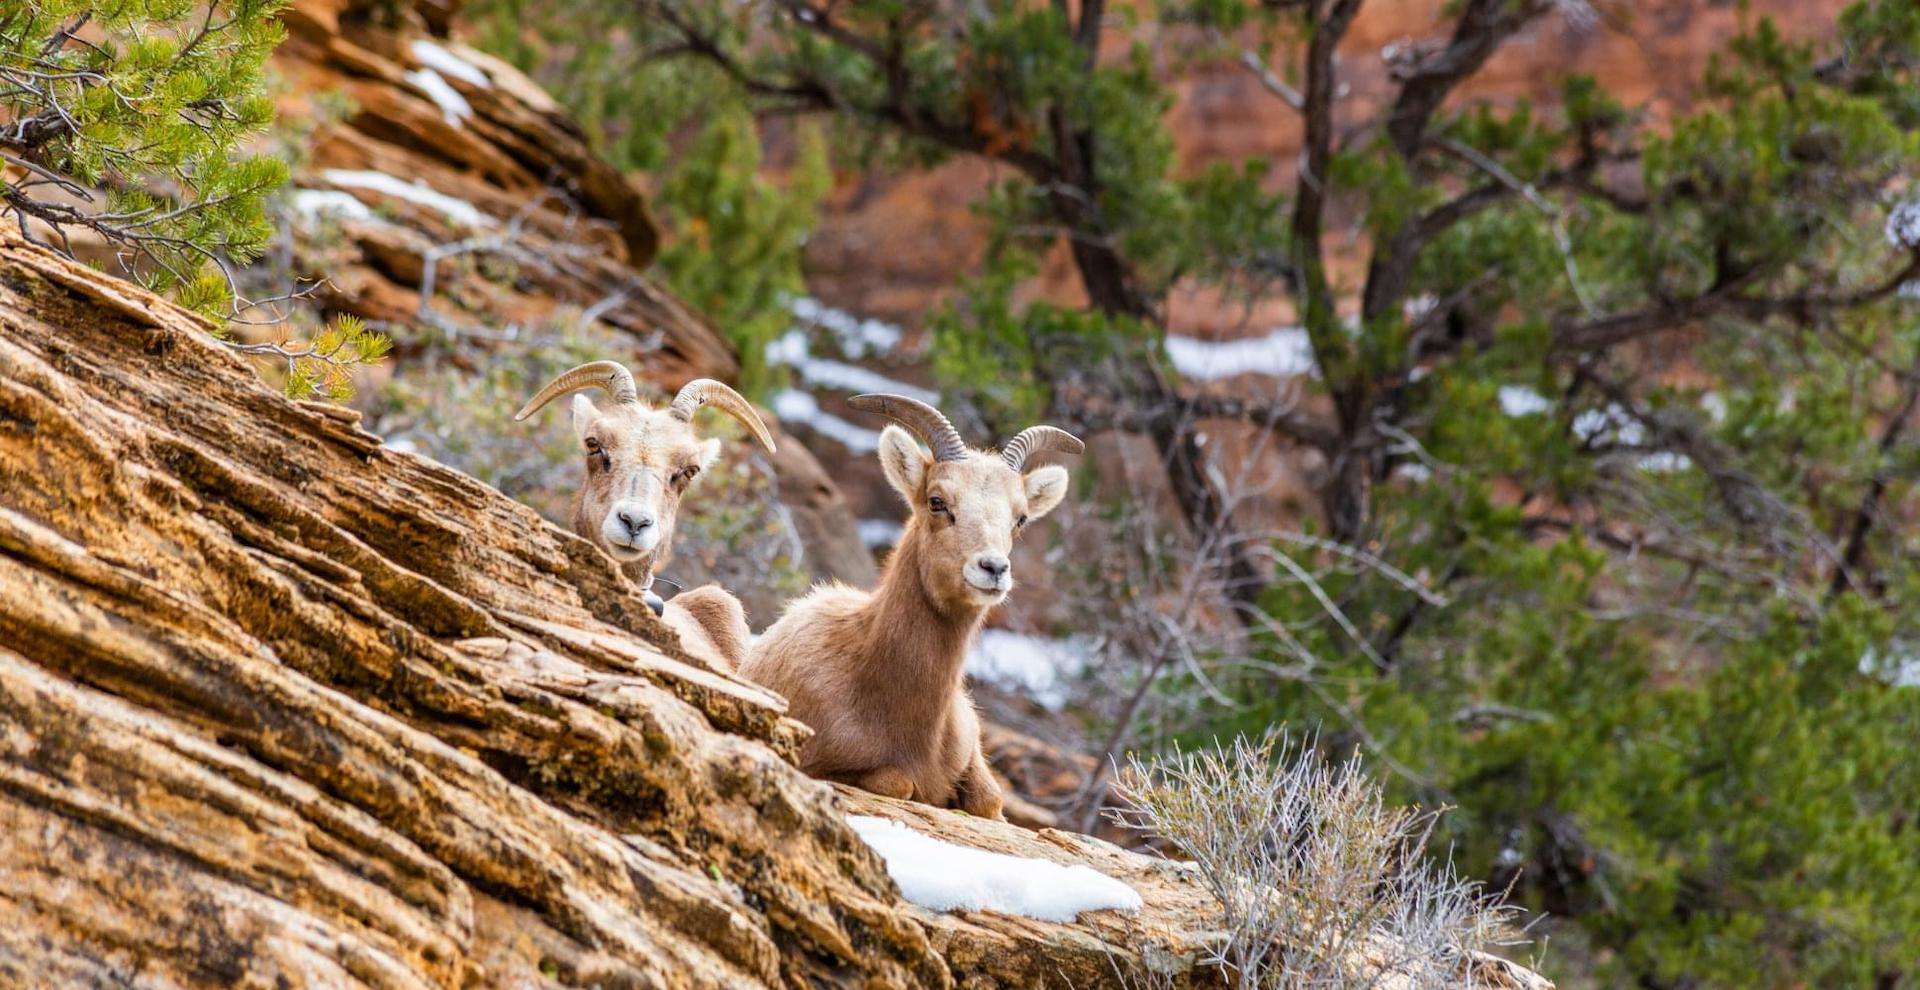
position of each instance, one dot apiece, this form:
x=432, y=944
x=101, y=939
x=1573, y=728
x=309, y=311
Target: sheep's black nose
x=995, y=566
x=636, y=522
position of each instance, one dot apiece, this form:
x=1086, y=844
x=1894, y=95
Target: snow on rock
x=1898, y=666
x=1413, y=472
x=310, y=205
x=1714, y=405
x=878, y=533
x=795, y=406
x=942, y=876
x=1035, y=666
x=1665, y=462
x=792, y=350
x=1613, y=423
x=858, y=337
x=1419, y=307
x=452, y=105
x=446, y=63
x=1283, y=353
x=457, y=211
x=1903, y=225
x=1519, y=400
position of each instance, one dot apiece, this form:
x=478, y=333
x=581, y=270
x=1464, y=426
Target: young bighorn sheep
x=878, y=676
x=640, y=461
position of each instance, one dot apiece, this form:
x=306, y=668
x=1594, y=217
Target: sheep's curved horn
x=609, y=375
x=1035, y=439
x=707, y=392
x=919, y=417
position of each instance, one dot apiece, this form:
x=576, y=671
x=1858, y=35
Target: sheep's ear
x=709, y=451
x=903, y=462
x=583, y=414
x=1046, y=486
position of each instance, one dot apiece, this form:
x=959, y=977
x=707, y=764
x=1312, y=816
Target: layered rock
x=441, y=143
x=282, y=703
x=284, y=707
x=444, y=197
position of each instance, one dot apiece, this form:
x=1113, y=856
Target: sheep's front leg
x=887, y=782
x=976, y=792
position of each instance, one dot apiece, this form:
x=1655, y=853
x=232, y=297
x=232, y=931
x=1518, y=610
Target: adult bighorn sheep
x=878, y=676
x=639, y=462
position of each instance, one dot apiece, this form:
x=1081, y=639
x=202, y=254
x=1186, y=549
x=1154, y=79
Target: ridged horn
x=1035, y=439
x=609, y=375
x=919, y=417
x=707, y=392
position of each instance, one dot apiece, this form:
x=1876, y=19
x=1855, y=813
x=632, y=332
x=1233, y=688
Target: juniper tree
x=124, y=129
x=126, y=122
x=1628, y=398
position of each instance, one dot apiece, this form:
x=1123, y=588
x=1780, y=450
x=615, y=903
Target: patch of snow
x=452, y=105
x=1593, y=424
x=788, y=349
x=1283, y=353
x=877, y=533
x=1519, y=400
x=1665, y=462
x=1900, y=667
x=858, y=337
x=942, y=876
x=310, y=205
x=1414, y=472
x=1035, y=666
x=1419, y=307
x=1903, y=225
x=1714, y=405
x=791, y=349
x=457, y=211
x=795, y=406
x=445, y=62
x=1613, y=423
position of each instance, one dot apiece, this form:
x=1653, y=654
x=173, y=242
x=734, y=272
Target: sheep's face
x=639, y=462
x=969, y=512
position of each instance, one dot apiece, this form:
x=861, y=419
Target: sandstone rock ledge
x=280, y=707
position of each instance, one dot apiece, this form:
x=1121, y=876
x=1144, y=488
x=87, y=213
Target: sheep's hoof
x=990, y=810
x=654, y=602
x=887, y=782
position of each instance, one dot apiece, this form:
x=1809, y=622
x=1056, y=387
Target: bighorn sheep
x=639, y=463
x=878, y=676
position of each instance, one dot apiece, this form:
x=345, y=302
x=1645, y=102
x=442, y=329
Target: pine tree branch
x=1853, y=554
x=1577, y=337
x=1482, y=28
x=897, y=109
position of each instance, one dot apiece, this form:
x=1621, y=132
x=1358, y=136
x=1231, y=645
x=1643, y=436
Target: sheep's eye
x=937, y=504
x=597, y=452
x=1020, y=524
x=685, y=475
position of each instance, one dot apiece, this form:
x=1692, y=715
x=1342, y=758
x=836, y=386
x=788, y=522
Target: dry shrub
x=1323, y=884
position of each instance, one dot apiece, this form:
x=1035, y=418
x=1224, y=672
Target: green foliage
x=1664, y=684
x=736, y=250
x=733, y=234
x=139, y=110
x=324, y=365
